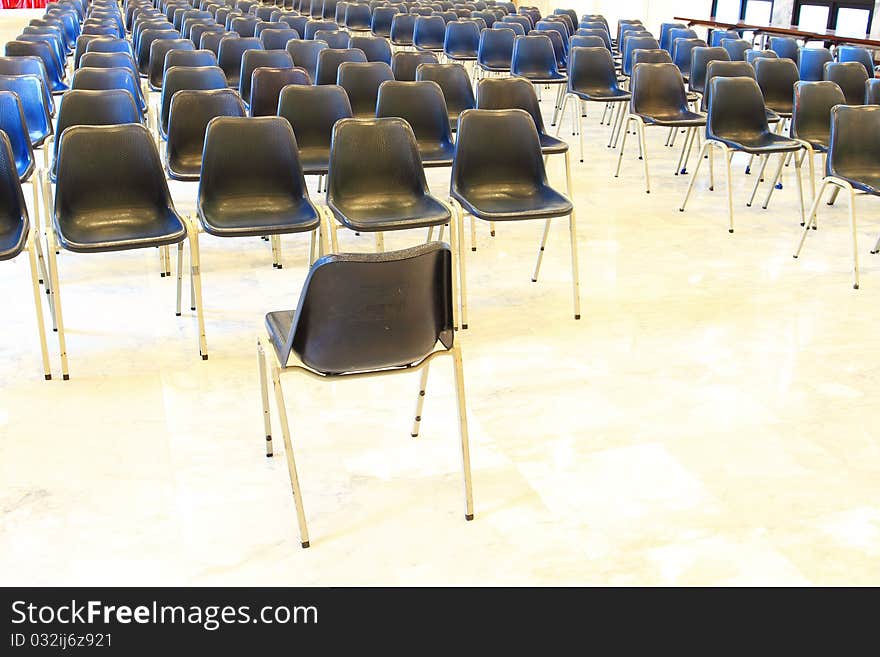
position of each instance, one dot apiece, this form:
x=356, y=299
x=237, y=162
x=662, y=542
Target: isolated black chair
x=811, y=119
x=737, y=121
x=380, y=26
x=266, y=86
x=811, y=65
x=414, y=292
x=305, y=54
x=158, y=50
x=700, y=58
x=191, y=111
x=462, y=41
x=312, y=112
x=360, y=197
x=405, y=63
x=17, y=236
x=361, y=82
x=857, y=54
x=252, y=60
x=252, y=183
x=850, y=77
x=112, y=196
x=375, y=49
x=486, y=164
x=752, y=55
x=455, y=83
x=86, y=77
x=275, y=38
x=334, y=38
x=230, y=55
x=872, y=92
x=29, y=89
x=422, y=105
x=55, y=75
x=776, y=78
x=401, y=32
x=785, y=47
x=495, y=50
x=659, y=99
x=178, y=78
x=853, y=165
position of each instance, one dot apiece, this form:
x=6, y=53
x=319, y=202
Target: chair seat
x=12, y=238
x=314, y=159
x=865, y=181
x=764, y=143
x=552, y=145
x=436, y=154
x=772, y=117
x=543, y=78
x=782, y=110
x=604, y=95
x=278, y=325
x=498, y=66
x=496, y=203
x=382, y=212
x=678, y=118
x=119, y=229
x=820, y=145
x=186, y=166
x=468, y=55
x=258, y=215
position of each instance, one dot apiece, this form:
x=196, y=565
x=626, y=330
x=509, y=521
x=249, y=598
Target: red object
x=24, y=4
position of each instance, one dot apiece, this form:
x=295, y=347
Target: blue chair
x=785, y=47
x=636, y=43
x=678, y=33
x=29, y=66
x=495, y=50
x=29, y=89
x=429, y=33
x=717, y=35
x=736, y=48
x=681, y=54
x=811, y=65
x=665, y=29
x=857, y=54
x=42, y=50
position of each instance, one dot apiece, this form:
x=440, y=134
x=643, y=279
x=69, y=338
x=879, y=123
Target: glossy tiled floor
x=710, y=420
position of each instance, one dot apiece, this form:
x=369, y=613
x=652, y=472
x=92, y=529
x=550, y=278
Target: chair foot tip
x=464, y=326
x=65, y=377
x=48, y=377
x=492, y=233
x=414, y=435
x=468, y=516
x=304, y=544
x=162, y=275
x=730, y=230
x=577, y=316
x=794, y=256
x=177, y=314
x=856, y=286
x=534, y=280
x=204, y=356
x=473, y=248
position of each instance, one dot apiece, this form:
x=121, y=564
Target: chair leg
x=179, y=277
x=55, y=283
x=456, y=263
x=197, y=286
x=38, y=306
x=834, y=194
x=684, y=147
x=728, y=156
x=876, y=247
x=707, y=145
x=557, y=115
x=162, y=262
x=567, y=174
x=313, y=247
x=380, y=242
x=420, y=401
x=775, y=181
x=491, y=229
x=291, y=462
x=559, y=124
x=798, y=163
x=473, y=234
x=758, y=180
x=463, y=433
x=575, y=277
x=852, y=218
x=168, y=261
x=264, y=393
x=462, y=257
x=579, y=117
x=625, y=128
x=809, y=220
x=541, y=250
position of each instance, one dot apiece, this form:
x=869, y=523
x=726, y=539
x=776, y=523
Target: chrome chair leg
x=575, y=276
x=193, y=232
x=38, y=303
x=706, y=147
x=760, y=177
x=775, y=181
x=264, y=394
x=728, y=156
x=179, y=277
x=55, y=283
x=541, y=250
x=463, y=432
x=420, y=401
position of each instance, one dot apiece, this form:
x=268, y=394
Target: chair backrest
x=44, y=52
x=188, y=58
x=678, y=33
x=582, y=41
x=13, y=209
x=872, y=91
x=510, y=93
x=188, y=77
x=93, y=107
x=28, y=66
x=109, y=44
x=496, y=48
x=358, y=17
x=305, y=54
x=330, y=59
x=681, y=53
x=266, y=86
x=857, y=54
x=380, y=25
x=811, y=66
x=146, y=43
x=86, y=77
x=429, y=32
x=785, y=47
x=212, y=40
x=700, y=58
x=717, y=35
x=736, y=48
x=776, y=78
x=422, y=105
x=262, y=26
x=659, y=56
x=633, y=43
x=334, y=38
x=275, y=38
x=736, y=108
x=314, y=26
x=855, y=142
x=560, y=46
x=657, y=89
x=313, y=111
x=402, y=27
x=851, y=77
x=751, y=55
x=592, y=70
x=404, y=63
x=244, y=25
x=230, y=55
x=811, y=114
x=158, y=50
x=533, y=56
x=13, y=123
x=252, y=60
x=462, y=39
x=719, y=69
x=367, y=311
x=108, y=169
x=361, y=82
x=29, y=89
x=455, y=83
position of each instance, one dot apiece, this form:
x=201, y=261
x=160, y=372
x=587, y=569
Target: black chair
x=455, y=83
x=244, y=25
x=55, y=75
x=560, y=46
x=681, y=54
x=314, y=26
x=776, y=78
x=422, y=105
x=405, y=63
x=401, y=32
x=737, y=122
x=488, y=161
x=305, y=54
x=462, y=41
x=109, y=44
x=361, y=82
x=429, y=33
x=158, y=50
x=212, y=40
x=872, y=92
x=630, y=45
x=700, y=58
x=358, y=18
x=811, y=65
x=329, y=61
x=145, y=44
x=333, y=38
x=853, y=165
x=191, y=112
x=112, y=196
x=252, y=183
x=275, y=38
x=413, y=291
x=86, y=77
x=535, y=60
x=266, y=86
x=857, y=54
x=736, y=48
x=230, y=56
x=495, y=50
x=659, y=99
x=381, y=23
x=189, y=58
x=375, y=49
x=253, y=60
x=361, y=198
x=677, y=33
x=785, y=47
x=178, y=78
x=16, y=235
x=811, y=119
x=312, y=112
x=851, y=77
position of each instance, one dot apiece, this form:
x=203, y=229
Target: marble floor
x=708, y=422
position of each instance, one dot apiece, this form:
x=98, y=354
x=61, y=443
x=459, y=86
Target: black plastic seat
x=857, y=54
x=496, y=49
x=811, y=65
x=230, y=56
x=681, y=54
x=336, y=39
x=191, y=58
x=199, y=30
x=587, y=41
x=405, y=63
x=736, y=48
x=429, y=33
x=329, y=61
x=633, y=43
x=785, y=47
x=145, y=44
x=462, y=41
x=522, y=21
x=361, y=197
x=266, y=86
x=700, y=58
x=314, y=26
x=731, y=70
x=254, y=59
x=380, y=25
x=872, y=92
x=178, y=78
x=276, y=38
x=776, y=78
x=376, y=49
x=262, y=26
x=305, y=54
x=212, y=40
x=358, y=18
x=422, y=105
x=264, y=13
x=158, y=50
x=600, y=34
x=851, y=77
x=534, y=58
x=456, y=85
x=659, y=98
x=191, y=112
x=660, y=56
x=665, y=30
x=54, y=74
x=312, y=112
x=251, y=181
x=361, y=82
x=811, y=115
x=29, y=89
x=402, y=27
x=244, y=25
x=109, y=44
x=13, y=123
x=106, y=78
x=678, y=33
